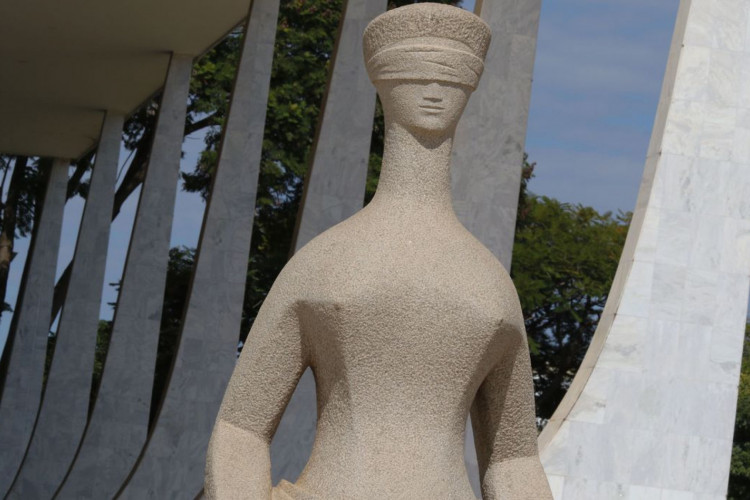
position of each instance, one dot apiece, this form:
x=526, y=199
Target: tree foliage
x=739, y=478
x=179, y=272
x=25, y=179
x=103, y=335
x=564, y=260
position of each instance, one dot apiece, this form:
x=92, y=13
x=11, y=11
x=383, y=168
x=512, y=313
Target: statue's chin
x=432, y=134
x=430, y=125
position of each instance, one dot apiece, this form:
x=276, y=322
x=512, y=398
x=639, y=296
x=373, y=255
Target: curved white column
x=173, y=461
x=64, y=409
x=490, y=138
x=651, y=411
x=22, y=389
x=118, y=425
x=335, y=183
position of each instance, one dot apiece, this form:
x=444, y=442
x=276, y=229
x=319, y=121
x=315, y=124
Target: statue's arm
x=504, y=423
x=238, y=463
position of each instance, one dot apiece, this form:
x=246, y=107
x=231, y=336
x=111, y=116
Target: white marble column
x=118, y=425
x=489, y=145
x=651, y=411
x=335, y=183
x=27, y=343
x=64, y=409
x=334, y=190
x=173, y=461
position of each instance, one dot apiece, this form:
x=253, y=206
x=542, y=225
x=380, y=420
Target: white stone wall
x=651, y=412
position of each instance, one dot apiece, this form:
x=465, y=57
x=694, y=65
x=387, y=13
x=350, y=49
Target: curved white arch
x=651, y=411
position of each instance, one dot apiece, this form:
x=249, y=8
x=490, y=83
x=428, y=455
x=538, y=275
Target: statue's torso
x=403, y=322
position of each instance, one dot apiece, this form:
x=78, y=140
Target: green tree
x=18, y=210
x=739, y=478
x=564, y=260
x=18, y=214
x=179, y=272
x=103, y=334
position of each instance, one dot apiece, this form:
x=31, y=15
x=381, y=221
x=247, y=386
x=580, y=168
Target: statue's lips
x=429, y=107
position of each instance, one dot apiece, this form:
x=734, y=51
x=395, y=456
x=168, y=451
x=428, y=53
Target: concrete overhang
x=64, y=63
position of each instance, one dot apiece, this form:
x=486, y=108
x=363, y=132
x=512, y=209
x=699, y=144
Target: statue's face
x=423, y=107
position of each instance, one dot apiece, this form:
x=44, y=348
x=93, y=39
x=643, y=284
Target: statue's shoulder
x=320, y=249
x=332, y=244
x=487, y=276
x=481, y=256
x=311, y=263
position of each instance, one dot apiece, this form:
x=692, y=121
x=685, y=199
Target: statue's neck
x=416, y=172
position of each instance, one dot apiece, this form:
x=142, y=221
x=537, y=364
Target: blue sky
x=597, y=79
x=598, y=74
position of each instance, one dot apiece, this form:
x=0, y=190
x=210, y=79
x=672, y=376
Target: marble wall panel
x=118, y=425
x=173, y=461
x=651, y=414
x=27, y=344
x=64, y=409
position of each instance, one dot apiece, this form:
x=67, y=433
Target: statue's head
x=425, y=60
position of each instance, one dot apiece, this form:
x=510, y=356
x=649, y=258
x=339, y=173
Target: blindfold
x=426, y=62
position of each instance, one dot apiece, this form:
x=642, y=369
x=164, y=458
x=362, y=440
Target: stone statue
x=407, y=321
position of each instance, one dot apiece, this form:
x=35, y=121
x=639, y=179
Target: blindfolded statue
x=408, y=322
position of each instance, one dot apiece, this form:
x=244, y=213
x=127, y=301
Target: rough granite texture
x=334, y=190
x=487, y=149
x=489, y=141
x=408, y=323
x=425, y=20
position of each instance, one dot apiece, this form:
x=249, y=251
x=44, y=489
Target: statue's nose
x=432, y=92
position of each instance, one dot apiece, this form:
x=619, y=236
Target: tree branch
x=200, y=124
